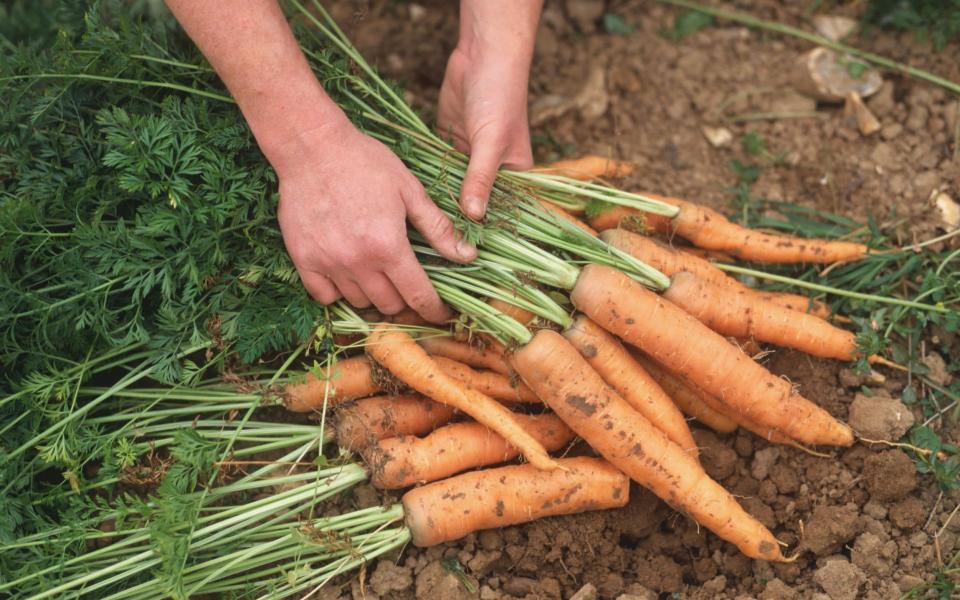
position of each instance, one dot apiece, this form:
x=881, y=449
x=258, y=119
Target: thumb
x=481, y=173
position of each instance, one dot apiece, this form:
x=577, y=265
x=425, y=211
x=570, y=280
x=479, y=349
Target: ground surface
x=869, y=524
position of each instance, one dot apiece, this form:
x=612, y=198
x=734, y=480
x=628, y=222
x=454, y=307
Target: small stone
x=891, y=131
x=763, y=461
x=949, y=211
x=834, y=27
x=519, y=586
x=879, y=417
x=587, y=592
x=388, y=578
x=840, y=579
x=717, y=136
x=417, y=11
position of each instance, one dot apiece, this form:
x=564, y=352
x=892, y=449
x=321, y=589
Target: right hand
x=344, y=202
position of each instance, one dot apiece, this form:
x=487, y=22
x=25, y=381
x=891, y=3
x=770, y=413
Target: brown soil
x=865, y=522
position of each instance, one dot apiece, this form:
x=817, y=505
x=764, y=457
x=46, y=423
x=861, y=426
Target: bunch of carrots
x=624, y=374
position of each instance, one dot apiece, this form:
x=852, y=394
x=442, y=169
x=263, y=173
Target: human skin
x=345, y=198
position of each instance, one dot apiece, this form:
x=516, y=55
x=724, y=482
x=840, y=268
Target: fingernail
x=466, y=250
x=473, y=206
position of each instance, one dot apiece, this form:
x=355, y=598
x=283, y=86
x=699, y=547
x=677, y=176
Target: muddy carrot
x=562, y=214
x=363, y=422
x=347, y=379
x=711, y=255
x=488, y=383
x=631, y=219
x=690, y=400
x=450, y=509
x=614, y=364
x=400, y=462
x=796, y=302
x=742, y=314
x=680, y=342
x=511, y=310
x=466, y=353
x=563, y=379
x=589, y=166
x=397, y=352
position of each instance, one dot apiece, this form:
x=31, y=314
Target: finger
x=380, y=290
x=319, y=287
x=429, y=220
x=351, y=291
x=481, y=173
x=417, y=291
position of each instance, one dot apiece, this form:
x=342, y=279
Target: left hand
x=483, y=107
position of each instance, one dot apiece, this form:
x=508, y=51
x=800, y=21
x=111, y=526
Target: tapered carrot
x=363, y=422
x=670, y=261
x=450, y=509
x=742, y=314
x=631, y=219
x=397, y=352
x=347, y=379
x=680, y=342
x=589, y=166
x=563, y=379
x=711, y=255
x=562, y=214
x=690, y=399
x=487, y=383
x=614, y=364
x=468, y=354
x=400, y=462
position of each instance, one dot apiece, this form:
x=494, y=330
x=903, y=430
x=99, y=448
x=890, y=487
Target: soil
x=865, y=523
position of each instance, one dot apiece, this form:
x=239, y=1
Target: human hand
x=483, y=99
x=344, y=200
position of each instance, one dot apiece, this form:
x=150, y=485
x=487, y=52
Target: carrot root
x=347, y=379
x=364, y=422
x=450, y=509
x=589, y=166
x=468, y=354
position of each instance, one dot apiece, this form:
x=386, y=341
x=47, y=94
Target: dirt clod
x=880, y=417
x=873, y=555
x=908, y=513
x=840, y=579
x=763, y=461
x=436, y=582
x=389, y=577
x=830, y=528
x=777, y=590
x=889, y=475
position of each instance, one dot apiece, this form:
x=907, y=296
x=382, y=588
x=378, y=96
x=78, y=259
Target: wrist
x=499, y=31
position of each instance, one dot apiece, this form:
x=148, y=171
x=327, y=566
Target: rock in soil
x=889, y=475
x=587, y=592
x=879, y=417
x=840, y=579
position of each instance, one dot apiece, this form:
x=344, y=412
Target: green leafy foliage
x=687, y=23
x=935, y=20
x=615, y=24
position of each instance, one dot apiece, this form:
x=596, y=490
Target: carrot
x=690, y=399
x=741, y=314
x=513, y=311
x=487, y=383
x=365, y=421
x=408, y=316
x=680, y=342
x=563, y=379
x=670, y=261
x=463, y=352
x=711, y=255
x=631, y=219
x=559, y=212
x=347, y=379
x=797, y=302
x=400, y=462
x=450, y=509
x=589, y=166
x=407, y=361
x=611, y=360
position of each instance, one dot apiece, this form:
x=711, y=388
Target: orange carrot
x=347, y=379
x=361, y=423
x=487, y=383
x=397, y=352
x=797, y=302
x=408, y=316
x=680, y=342
x=405, y=461
x=690, y=399
x=450, y=509
x=468, y=354
x=563, y=379
x=711, y=255
x=513, y=311
x=559, y=212
x=631, y=219
x=589, y=166
x=611, y=360
x=741, y=314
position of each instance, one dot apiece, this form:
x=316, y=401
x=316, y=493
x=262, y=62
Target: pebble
x=587, y=592
x=763, y=461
